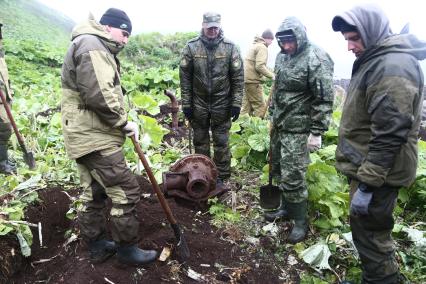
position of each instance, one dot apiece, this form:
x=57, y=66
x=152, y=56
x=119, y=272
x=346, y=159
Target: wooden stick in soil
x=181, y=245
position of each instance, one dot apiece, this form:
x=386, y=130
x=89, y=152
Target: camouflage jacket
x=211, y=76
x=255, y=69
x=4, y=76
x=381, y=116
x=303, y=97
x=92, y=101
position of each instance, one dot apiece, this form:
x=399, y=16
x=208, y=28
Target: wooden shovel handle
x=12, y=121
x=270, y=156
x=154, y=183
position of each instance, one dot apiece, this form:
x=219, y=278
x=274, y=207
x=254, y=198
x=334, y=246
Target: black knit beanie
x=267, y=34
x=117, y=19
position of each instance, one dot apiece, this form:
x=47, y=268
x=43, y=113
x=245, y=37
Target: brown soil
x=219, y=255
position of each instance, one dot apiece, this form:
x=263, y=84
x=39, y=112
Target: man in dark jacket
x=212, y=83
x=378, y=132
x=94, y=124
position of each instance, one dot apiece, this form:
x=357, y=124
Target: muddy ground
x=219, y=256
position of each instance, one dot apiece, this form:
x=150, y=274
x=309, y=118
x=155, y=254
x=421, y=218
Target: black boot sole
x=101, y=259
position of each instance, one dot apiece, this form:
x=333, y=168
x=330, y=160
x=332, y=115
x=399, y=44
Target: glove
x=235, y=113
x=187, y=112
x=361, y=200
x=314, y=142
x=131, y=128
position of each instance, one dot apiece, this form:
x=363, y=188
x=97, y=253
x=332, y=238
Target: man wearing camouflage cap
x=94, y=123
x=300, y=112
x=212, y=83
x=6, y=167
x=255, y=72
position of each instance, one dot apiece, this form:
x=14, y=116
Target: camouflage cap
x=211, y=19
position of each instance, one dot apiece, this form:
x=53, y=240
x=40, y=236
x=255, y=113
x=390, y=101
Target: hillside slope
x=29, y=19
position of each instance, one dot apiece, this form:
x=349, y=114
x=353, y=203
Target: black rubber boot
x=101, y=250
x=221, y=185
x=280, y=213
x=6, y=167
x=298, y=212
x=135, y=256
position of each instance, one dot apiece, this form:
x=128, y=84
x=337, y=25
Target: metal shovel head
x=29, y=160
x=270, y=196
x=182, y=246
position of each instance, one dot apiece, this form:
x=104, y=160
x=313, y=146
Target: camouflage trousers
x=5, y=127
x=220, y=135
x=372, y=237
x=253, y=102
x=290, y=159
x=105, y=174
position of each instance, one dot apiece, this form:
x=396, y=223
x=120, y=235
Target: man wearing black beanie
x=95, y=125
x=116, y=18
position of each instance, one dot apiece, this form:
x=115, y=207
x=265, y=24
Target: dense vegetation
x=34, y=58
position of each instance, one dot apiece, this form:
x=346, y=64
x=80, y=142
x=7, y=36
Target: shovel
x=270, y=195
x=190, y=137
x=268, y=101
x=183, y=250
x=28, y=156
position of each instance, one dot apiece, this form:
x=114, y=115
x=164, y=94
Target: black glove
x=235, y=113
x=361, y=200
x=187, y=112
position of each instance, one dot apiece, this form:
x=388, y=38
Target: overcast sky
x=242, y=20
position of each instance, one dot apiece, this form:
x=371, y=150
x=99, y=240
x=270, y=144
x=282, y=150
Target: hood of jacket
x=377, y=37
x=92, y=27
x=258, y=39
x=371, y=22
x=295, y=25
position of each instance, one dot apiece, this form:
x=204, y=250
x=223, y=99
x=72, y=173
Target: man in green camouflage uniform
x=300, y=112
x=378, y=132
x=212, y=83
x=6, y=167
x=94, y=124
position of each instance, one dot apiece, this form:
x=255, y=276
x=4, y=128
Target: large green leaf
x=317, y=255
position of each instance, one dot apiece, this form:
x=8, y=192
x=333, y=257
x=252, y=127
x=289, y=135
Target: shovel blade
x=29, y=160
x=270, y=196
x=182, y=246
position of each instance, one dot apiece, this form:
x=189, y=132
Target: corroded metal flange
x=193, y=178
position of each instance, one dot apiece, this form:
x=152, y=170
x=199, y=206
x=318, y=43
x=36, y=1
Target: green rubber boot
x=298, y=212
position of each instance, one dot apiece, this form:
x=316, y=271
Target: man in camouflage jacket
x=300, y=112
x=6, y=167
x=212, y=83
x=378, y=132
x=94, y=124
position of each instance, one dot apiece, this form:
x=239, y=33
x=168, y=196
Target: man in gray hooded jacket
x=378, y=132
